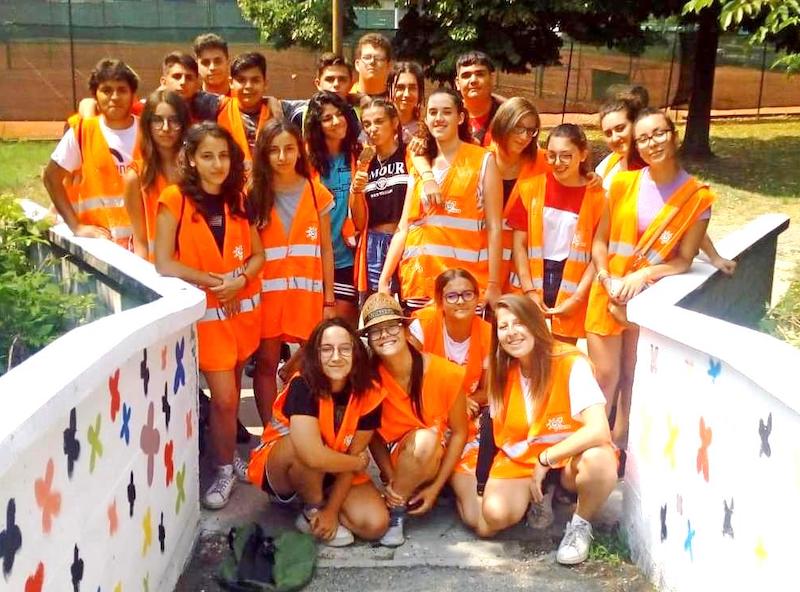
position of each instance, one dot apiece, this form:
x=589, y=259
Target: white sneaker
x=240, y=468
x=574, y=547
x=219, y=494
x=540, y=516
x=342, y=538
x=394, y=536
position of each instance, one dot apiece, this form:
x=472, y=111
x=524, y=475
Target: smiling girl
x=424, y=401
x=332, y=150
x=547, y=412
x=554, y=222
x=161, y=127
x=315, y=446
x=652, y=226
x=204, y=237
x=292, y=212
x=464, y=229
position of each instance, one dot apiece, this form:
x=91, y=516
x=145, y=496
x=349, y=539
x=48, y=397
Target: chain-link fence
x=49, y=47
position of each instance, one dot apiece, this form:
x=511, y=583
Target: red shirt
x=556, y=196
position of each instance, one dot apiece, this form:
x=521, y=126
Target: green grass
x=21, y=165
x=783, y=320
x=610, y=547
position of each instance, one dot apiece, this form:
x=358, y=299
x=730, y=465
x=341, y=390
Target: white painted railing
x=98, y=441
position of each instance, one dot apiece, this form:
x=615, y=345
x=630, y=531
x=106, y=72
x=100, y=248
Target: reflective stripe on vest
x=535, y=253
x=506, y=254
x=276, y=253
x=118, y=232
x=580, y=256
x=620, y=248
x=247, y=304
x=278, y=426
x=570, y=287
x=291, y=283
x=96, y=203
x=441, y=221
x=469, y=255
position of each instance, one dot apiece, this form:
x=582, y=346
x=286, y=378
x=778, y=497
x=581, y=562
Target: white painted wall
x=118, y=543
x=699, y=379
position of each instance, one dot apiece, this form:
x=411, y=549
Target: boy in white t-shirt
x=95, y=152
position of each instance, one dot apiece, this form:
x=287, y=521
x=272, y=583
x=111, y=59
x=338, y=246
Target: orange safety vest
x=580, y=252
x=690, y=200
x=520, y=441
x=98, y=200
x=230, y=118
x=278, y=427
x=150, y=203
x=441, y=385
x=431, y=320
x=447, y=236
x=224, y=341
x=291, y=285
x=530, y=170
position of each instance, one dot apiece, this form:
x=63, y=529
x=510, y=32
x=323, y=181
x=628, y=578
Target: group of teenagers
x=435, y=260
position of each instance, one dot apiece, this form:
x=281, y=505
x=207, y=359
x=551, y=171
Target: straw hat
x=380, y=308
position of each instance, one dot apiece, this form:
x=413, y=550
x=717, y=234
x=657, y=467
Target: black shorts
x=344, y=287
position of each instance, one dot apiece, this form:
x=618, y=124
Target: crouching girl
x=547, y=413
x=315, y=445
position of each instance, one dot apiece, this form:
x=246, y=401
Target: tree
x=775, y=21
x=768, y=20
x=307, y=23
x=518, y=35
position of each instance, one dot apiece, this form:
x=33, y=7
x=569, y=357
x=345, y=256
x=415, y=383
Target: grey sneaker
x=574, y=547
x=540, y=516
x=240, y=468
x=394, y=536
x=219, y=494
x=343, y=535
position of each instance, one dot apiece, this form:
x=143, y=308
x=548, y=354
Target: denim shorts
x=377, y=248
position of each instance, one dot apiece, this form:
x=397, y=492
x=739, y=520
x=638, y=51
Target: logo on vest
x=556, y=424
x=238, y=252
x=577, y=240
x=311, y=233
x=665, y=237
x=451, y=207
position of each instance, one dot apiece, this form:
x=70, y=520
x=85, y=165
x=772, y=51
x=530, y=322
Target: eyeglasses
x=657, y=137
x=326, y=351
x=565, y=157
x=391, y=330
x=454, y=297
x=521, y=130
x=368, y=59
x=171, y=122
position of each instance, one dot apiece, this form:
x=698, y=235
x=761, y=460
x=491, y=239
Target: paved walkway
x=439, y=553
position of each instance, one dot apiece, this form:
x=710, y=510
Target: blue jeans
x=553, y=271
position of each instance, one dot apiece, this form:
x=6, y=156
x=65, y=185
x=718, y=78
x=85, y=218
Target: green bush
x=34, y=309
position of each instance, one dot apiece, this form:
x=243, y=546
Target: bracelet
x=546, y=452
x=601, y=275
x=539, y=459
x=329, y=304
x=526, y=292
x=428, y=176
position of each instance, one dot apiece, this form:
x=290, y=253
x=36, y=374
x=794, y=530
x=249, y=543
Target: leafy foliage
x=33, y=309
x=518, y=34
x=777, y=21
x=307, y=23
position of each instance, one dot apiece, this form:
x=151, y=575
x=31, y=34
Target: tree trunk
x=696, y=143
